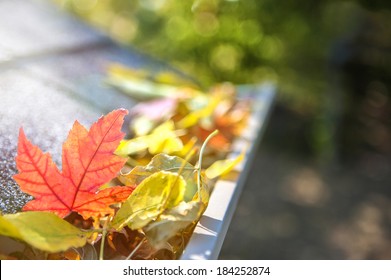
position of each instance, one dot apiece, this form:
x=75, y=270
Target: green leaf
x=172, y=221
x=156, y=193
x=222, y=167
x=42, y=230
x=163, y=162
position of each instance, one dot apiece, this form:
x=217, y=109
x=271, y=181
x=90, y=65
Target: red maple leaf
x=88, y=162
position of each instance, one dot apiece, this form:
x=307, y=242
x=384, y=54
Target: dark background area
x=320, y=185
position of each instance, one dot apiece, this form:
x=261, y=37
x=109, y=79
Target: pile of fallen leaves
x=134, y=198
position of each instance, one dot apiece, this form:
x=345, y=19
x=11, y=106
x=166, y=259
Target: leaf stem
x=199, y=167
x=135, y=249
x=102, y=243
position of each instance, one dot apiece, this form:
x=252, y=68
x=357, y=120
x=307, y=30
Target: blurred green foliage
x=227, y=40
x=242, y=41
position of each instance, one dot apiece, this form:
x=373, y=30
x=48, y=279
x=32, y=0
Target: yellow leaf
x=222, y=167
x=172, y=221
x=187, y=148
x=119, y=70
x=142, y=125
x=163, y=162
x=43, y=230
x=156, y=193
x=196, y=115
x=139, y=85
x=205, y=111
x=141, y=89
x=132, y=146
x=162, y=140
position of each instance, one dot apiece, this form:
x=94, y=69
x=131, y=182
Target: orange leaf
x=88, y=162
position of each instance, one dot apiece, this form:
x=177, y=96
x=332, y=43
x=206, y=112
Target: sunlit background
x=327, y=149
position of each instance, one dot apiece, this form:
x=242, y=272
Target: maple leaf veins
x=88, y=162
